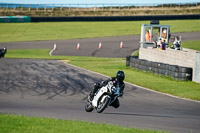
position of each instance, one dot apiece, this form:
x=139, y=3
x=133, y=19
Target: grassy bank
x=11, y=32
x=195, y=45
x=21, y=124
x=104, y=11
x=110, y=66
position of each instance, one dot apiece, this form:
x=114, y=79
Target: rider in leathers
x=117, y=82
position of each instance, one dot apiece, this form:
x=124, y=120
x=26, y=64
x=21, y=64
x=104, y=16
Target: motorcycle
x=3, y=52
x=103, y=98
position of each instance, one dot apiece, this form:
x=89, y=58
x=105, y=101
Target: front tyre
x=88, y=107
x=103, y=104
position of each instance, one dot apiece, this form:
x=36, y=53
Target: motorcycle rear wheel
x=102, y=105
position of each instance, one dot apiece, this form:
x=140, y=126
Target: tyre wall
x=185, y=58
x=14, y=19
x=114, y=18
x=174, y=71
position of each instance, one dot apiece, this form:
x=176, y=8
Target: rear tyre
x=102, y=105
x=88, y=107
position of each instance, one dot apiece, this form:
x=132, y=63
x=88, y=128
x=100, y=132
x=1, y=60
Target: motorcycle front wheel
x=88, y=107
x=103, y=104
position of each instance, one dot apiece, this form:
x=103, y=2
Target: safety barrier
x=174, y=71
x=115, y=18
x=14, y=19
x=8, y=19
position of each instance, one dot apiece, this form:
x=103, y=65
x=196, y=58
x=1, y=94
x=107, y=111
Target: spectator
x=3, y=52
x=155, y=38
x=163, y=44
x=147, y=36
x=159, y=44
x=176, y=44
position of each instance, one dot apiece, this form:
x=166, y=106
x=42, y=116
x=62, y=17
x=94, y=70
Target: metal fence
x=93, y=7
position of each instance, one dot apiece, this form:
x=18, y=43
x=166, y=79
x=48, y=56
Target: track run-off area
x=54, y=89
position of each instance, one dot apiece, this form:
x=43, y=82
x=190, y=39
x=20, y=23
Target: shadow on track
x=43, y=78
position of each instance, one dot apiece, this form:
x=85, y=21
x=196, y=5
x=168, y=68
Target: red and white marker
x=78, y=46
x=121, y=44
x=100, y=45
x=54, y=46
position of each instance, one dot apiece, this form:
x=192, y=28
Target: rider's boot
x=92, y=93
x=91, y=96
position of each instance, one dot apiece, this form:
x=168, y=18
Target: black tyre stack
x=128, y=60
x=133, y=61
x=174, y=71
x=180, y=73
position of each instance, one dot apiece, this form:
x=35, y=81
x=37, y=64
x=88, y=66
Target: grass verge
x=11, y=32
x=20, y=124
x=195, y=45
x=109, y=66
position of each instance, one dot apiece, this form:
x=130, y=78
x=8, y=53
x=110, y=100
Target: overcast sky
x=95, y=1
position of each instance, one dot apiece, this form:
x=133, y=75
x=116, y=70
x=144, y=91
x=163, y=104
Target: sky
x=96, y=1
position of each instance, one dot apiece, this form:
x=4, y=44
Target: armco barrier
x=174, y=71
x=114, y=18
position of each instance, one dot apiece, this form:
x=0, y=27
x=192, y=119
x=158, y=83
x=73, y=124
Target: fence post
x=7, y=8
x=14, y=7
x=22, y=7
x=37, y=7
x=77, y=7
x=29, y=8
x=61, y=7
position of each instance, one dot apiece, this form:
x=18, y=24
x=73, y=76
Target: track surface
x=50, y=88
x=89, y=47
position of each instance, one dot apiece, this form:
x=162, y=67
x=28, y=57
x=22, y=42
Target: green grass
x=109, y=66
x=23, y=124
x=195, y=45
x=11, y=32
x=136, y=53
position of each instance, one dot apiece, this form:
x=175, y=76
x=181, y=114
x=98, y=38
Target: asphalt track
x=51, y=88
x=89, y=46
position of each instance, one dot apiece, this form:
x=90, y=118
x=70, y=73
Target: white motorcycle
x=104, y=97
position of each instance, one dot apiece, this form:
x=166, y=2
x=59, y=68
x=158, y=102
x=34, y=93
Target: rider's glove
x=96, y=85
x=104, y=83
